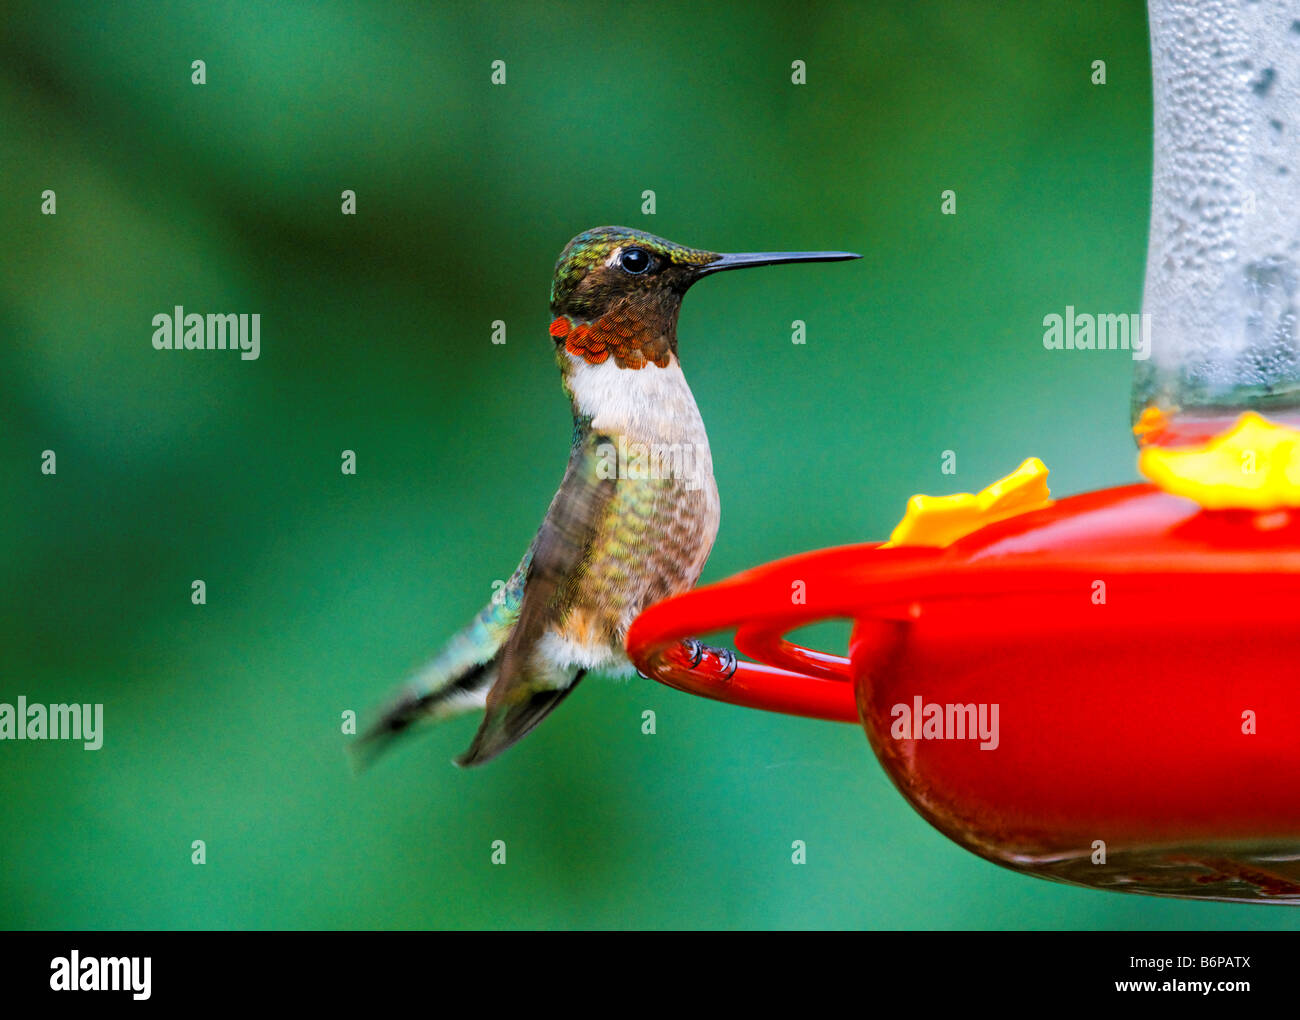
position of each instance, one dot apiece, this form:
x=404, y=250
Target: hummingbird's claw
x=727, y=662
x=696, y=647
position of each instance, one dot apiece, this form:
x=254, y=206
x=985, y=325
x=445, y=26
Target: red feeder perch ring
x=1100, y=691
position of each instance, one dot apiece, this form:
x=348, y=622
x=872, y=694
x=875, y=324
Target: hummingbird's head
x=617, y=292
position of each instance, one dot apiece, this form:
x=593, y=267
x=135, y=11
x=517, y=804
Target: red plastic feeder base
x=1100, y=692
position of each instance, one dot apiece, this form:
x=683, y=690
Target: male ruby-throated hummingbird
x=635, y=516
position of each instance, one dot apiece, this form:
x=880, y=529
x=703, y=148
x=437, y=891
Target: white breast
x=652, y=404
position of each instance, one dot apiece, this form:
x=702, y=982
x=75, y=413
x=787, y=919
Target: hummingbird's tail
x=457, y=680
x=431, y=696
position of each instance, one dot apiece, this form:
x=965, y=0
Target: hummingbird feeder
x=1097, y=689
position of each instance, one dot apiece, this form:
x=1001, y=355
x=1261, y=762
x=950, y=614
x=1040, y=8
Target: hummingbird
x=636, y=514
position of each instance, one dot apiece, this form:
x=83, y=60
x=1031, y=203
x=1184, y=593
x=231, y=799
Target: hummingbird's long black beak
x=771, y=258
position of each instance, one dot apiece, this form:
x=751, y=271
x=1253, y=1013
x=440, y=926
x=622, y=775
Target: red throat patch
x=617, y=334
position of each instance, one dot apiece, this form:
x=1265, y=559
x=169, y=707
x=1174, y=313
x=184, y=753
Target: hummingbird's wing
x=522, y=697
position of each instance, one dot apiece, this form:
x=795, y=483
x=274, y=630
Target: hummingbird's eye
x=635, y=261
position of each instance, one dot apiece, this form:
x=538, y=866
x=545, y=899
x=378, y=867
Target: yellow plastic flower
x=1255, y=465
x=941, y=520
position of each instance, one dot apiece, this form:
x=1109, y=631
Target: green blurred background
x=223, y=721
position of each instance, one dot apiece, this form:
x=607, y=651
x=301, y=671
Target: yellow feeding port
x=941, y=520
x=1252, y=466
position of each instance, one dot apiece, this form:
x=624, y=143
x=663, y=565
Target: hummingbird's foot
x=721, y=659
